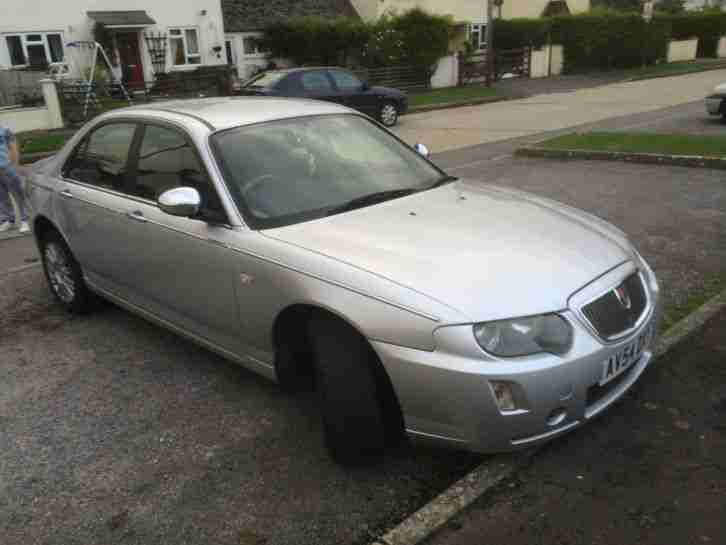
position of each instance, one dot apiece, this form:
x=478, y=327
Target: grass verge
x=673, y=69
x=677, y=310
x=635, y=142
x=41, y=141
x=449, y=95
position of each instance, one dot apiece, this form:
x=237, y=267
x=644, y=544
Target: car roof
x=227, y=112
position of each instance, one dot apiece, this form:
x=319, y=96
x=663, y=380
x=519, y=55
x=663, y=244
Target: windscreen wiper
x=443, y=181
x=371, y=198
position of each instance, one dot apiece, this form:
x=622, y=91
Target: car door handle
x=137, y=215
x=66, y=194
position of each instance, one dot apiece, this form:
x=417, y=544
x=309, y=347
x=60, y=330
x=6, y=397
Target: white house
x=179, y=34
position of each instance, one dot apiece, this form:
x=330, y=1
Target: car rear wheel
x=353, y=417
x=64, y=274
x=388, y=114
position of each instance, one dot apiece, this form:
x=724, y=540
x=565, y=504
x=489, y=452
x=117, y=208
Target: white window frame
x=482, y=28
x=257, y=53
x=183, y=37
x=24, y=44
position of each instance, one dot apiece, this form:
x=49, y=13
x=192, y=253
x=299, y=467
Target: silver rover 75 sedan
x=307, y=243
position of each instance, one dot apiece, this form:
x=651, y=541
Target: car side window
x=102, y=158
x=167, y=159
x=345, y=81
x=316, y=82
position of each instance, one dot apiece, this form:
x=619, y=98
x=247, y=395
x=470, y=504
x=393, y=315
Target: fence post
x=50, y=95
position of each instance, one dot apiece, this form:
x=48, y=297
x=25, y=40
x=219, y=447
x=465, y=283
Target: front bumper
x=447, y=398
x=714, y=104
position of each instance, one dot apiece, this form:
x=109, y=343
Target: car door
x=183, y=270
x=353, y=93
x=93, y=205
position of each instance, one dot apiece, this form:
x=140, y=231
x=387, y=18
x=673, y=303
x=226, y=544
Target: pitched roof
x=246, y=15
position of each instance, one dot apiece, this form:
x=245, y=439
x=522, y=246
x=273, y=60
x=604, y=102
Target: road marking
x=460, y=495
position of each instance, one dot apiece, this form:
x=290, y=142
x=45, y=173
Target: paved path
x=444, y=130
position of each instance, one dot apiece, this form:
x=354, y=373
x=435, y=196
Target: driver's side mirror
x=180, y=201
x=365, y=86
x=421, y=150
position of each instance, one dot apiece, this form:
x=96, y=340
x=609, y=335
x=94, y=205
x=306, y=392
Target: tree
x=671, y=6
x=622, y=5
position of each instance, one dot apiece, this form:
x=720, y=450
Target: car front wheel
x=64, y=274
x=389, y=114
x=353, y=416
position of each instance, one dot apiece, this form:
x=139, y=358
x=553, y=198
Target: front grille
x=619, y=309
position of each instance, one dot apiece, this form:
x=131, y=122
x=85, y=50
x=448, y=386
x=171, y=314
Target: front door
x=353, y=93
x=130, y=53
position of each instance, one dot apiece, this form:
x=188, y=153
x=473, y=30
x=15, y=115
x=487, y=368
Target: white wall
x=721, y=48
x=25, y=119
x=69, y=18
x=447, y=72
x=682, y=50
x=541, y=59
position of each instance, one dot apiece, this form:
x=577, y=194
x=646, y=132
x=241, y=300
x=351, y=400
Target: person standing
x=10, y=183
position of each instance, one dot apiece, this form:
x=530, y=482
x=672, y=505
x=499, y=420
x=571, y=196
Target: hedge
x=516, y=33
x=707, y=26
x=609, y=40
x=414, y=38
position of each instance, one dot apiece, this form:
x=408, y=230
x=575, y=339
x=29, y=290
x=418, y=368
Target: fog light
x=503, y=395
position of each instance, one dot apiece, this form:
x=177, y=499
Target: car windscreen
x=266, y=80
x=295, y=170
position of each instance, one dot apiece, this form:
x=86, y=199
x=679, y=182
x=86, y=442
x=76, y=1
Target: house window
x=37, y=50
x=478, y=36
x=184, y=46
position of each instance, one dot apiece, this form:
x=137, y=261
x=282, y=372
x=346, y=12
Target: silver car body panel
x=412, y=275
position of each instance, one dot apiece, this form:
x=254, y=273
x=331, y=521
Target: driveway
x=443, y=130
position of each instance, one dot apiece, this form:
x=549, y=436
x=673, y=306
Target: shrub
x=315, y=40
x=414, y=38
x=516, y=33
x=707, y=26
x=608, y=39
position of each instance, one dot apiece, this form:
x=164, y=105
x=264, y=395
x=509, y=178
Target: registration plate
x=626, y=357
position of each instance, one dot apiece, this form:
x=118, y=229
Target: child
x=10, y=183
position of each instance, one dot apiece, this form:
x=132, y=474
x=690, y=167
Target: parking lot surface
x=650, y=471
x=113, y=430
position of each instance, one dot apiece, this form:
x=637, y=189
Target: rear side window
x=345, y=81
x=316, y=82
x=102, y=158
x=167, y=159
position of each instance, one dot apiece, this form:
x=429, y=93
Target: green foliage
x=609, y=39
x=516, y=33
x=707, y=26
x=414, y=38
x=671, y=6
x=316, y=40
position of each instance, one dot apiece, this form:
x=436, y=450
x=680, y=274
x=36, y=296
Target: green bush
x=608, y=39
x=414, y=38
x=516, y=33
x=707, y=26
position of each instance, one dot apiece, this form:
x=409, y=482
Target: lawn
x=639, y=142
x=450, y=94
x=41, y=141
x=673, y=69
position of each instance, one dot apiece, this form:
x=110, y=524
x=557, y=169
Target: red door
x=130, y=53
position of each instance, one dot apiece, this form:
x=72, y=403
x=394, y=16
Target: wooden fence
x=406, y=78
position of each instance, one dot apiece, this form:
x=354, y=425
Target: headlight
x=524, y=336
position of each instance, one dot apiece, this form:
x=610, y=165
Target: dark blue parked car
x=332, y=84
